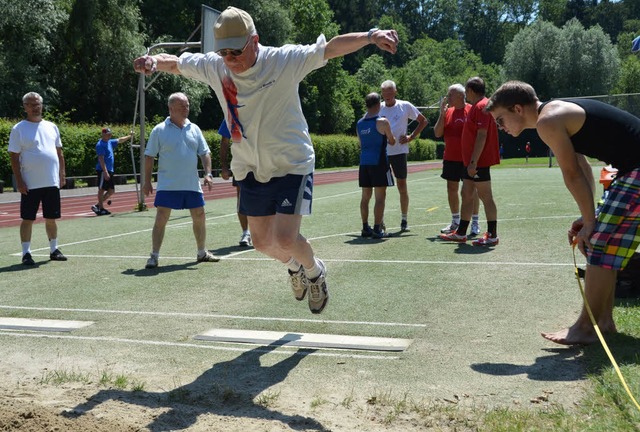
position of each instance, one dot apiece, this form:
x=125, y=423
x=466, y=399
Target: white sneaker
x=152, y=262
x=452, y=227
x=245, y=239
x=475, y=229
x=297, y=281
x=318, y=291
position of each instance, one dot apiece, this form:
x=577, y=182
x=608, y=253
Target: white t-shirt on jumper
x=399, y=116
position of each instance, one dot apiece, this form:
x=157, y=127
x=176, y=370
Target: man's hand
x=208, y=180
x=105, y=175
x=386, y=40
x=225, y=173
x=147, y=188
x=145, y=64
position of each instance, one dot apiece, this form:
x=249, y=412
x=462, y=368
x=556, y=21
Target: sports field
x=473, y=316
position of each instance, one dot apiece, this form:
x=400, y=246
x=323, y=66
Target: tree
x=563, y=62
x=27, y=29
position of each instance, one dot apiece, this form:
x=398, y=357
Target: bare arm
x=422, y=123
x=481, y=140
x=147, y=64
x=105, y=173
x=147, y=187
x=225, y=143
x=384, y=127
x=206, y=164
x=62, y=166
x=15, y=167
x=438, y=129
x=342, y=45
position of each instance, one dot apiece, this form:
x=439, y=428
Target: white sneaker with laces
x=475, y=229
x=297, y=281
x=152, y=262
x=318, y=291
x=245, y=239
x=452, y=227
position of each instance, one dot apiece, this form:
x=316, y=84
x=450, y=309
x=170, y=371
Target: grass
x=473, y=314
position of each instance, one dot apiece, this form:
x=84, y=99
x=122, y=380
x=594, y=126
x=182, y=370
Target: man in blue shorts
x=273, y=157
x=105, y=169
x=575, y=129
x=374, y=133
x=38, y=165
x=177, y=143
x=225, y=173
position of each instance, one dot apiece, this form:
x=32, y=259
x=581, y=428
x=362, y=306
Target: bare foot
x=572, y=336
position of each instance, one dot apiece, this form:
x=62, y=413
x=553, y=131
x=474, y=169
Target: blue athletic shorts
x=179, y=200
x=290, y=194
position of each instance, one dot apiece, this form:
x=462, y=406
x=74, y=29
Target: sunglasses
x=233, y=52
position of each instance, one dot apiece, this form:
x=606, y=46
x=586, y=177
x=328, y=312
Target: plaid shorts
x=616, y=236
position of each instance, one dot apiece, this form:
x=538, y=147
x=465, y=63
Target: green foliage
x=570, y=61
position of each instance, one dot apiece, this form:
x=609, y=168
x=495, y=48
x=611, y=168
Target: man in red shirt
x=453, y=113
x=480, y=150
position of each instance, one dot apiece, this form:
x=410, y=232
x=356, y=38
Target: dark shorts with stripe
x=291, y=194
x=179, y=200
x=453, y=170
x=483, y=175
x=616, y=236
x=104, y=184
x=399, y=165
x=375, y=176
x=48, y=196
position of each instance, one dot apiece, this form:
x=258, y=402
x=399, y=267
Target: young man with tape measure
x=575, y=129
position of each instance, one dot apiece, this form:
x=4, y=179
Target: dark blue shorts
x=290, y=194
x=50, y=198
x=105, y=185
x=399, y=165
x=375, y=176
x=179, y=200
x=453, y=170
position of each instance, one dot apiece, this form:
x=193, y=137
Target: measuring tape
x=597, y=329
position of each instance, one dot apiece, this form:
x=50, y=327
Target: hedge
x=79, y=142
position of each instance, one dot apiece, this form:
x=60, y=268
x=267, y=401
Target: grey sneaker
x=318, y=291
x=152, y=262
x=245, y=240
x=207, y=257
x=475, y=229
x=297, y=283
x=404, y=226
x=452, y=227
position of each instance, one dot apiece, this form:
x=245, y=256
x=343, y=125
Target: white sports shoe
x=475, y=229
x=298, y=285
x=452, y=227
x=152, y=262
x=318, y=291
x=245, y=239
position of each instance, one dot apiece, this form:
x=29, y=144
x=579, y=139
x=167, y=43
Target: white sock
x=292, y=264
x=156, y=255
x=201, y=252
x=455, y=218
x=26, y=247
x=475, y=219
x=246, y=232
x=314, y=271
x=404, y=216
x=53, y=245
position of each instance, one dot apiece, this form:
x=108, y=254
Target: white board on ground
x=306, y=340
x=41, y=324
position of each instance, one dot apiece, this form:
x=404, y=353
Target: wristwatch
x=210, y=174
x=371, y=33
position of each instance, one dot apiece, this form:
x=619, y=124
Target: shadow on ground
x=227, y=389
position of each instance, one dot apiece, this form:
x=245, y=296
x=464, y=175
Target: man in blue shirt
x=374, y=133
x=104, y=169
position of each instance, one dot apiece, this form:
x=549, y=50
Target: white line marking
x=279, y=351
x=205, y=315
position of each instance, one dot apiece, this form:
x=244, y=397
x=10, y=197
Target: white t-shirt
x=177, y=150
x=37, y=143
x=262, y=107
x=399, y=116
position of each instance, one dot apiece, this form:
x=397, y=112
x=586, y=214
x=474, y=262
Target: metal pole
x=141, y=82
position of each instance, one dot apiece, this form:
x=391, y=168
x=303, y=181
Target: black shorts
x=453, y=171
x=399, y=165
x=375, y=176
x=483, y=175
x=48, y=196
x=103, y=184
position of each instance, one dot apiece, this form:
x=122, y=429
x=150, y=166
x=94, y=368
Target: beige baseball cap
x=232, y=29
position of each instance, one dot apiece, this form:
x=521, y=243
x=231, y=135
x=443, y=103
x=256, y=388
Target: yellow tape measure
x=597, y=329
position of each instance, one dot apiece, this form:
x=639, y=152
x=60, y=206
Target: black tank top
x=609, y=134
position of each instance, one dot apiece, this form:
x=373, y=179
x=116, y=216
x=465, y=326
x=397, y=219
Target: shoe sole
x=484, y=244
x=324, y=304
x=453, y=240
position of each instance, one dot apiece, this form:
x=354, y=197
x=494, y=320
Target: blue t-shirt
x=106, y=148
x=373, y=144
x=177, y=150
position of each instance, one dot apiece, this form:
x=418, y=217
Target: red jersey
x=454, y=119
x=479, y=119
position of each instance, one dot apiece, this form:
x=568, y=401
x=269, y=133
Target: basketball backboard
x=209, y=17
